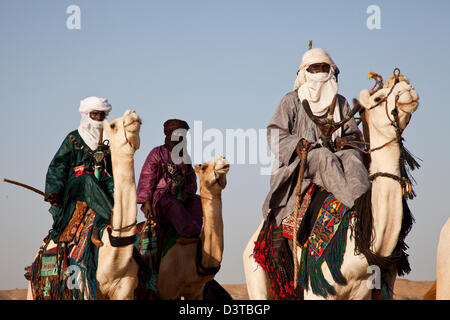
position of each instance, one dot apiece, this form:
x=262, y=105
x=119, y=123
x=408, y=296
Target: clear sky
x=225, y=63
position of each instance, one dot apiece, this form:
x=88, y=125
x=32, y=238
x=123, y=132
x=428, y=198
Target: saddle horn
x=331, y=108
x=356, y=107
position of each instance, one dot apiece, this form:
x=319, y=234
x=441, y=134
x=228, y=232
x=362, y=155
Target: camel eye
x=112, y=126
x=204, y=167
x=377, y=99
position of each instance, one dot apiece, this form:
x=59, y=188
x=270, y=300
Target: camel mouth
x=223, y=168
x=409, y=107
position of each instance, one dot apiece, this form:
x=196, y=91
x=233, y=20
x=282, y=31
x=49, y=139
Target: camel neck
x=212, y=232
x=387, y=207
x=125, y=208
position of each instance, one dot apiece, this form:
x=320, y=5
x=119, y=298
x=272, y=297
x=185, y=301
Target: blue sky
x=227, y=64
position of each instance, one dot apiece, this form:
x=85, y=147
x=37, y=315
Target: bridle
x=126, y=137
x=405, y=157
x=122, y=241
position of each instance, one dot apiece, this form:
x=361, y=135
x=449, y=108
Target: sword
x=27, y=187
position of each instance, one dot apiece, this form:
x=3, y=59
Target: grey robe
x=342, y=173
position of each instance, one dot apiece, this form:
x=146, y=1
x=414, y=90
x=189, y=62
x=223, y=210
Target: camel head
x=124, y=132
x=212, y=174
x=380, y=117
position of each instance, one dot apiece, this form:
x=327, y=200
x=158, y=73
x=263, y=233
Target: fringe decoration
x=364, y=240
x=272, y=252
x=311, y=275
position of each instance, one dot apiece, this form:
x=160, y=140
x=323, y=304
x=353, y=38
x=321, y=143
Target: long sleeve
x=151, y=173
x=58, y=170
x=191, y=182
x=283, y=121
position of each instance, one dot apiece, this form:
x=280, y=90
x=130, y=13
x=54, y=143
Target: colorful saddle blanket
x=151, y=245
x=326, y=226
x=288, y=222
x=66, y=271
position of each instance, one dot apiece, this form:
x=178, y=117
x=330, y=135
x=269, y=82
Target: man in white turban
x=342, y=172
x=93, y=111
x=78, y=185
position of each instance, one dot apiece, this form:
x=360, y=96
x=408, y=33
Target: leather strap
x=120, y=241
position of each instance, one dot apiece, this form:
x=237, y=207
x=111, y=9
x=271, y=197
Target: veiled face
x=124, y=131
x=97, y=115
x=212, y=174
x=319, y=67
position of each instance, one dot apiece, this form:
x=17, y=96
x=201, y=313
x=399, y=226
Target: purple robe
x=155, y=186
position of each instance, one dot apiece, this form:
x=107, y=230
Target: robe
x=186, y=215
x=73, y=182
x=341, y=173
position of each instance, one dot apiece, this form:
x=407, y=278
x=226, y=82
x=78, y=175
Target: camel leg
x=256, y=277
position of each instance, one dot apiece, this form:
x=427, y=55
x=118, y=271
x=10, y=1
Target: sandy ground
x=404, y=289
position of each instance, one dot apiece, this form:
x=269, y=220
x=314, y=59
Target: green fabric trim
x=311, y=274
x=61, y=178
x=171, y=236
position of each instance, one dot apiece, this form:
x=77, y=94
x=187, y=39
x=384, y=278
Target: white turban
x=318, y=88
x=89, y=129
x=316, y=55
x=93, y=103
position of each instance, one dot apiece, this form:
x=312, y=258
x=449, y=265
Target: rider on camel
x=340, y=171
x=77, y=174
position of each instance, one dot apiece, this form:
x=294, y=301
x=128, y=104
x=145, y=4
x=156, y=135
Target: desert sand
x=403, y=289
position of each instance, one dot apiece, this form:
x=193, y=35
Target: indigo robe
x=71, y=175
x=341, y=173
x=154, y=185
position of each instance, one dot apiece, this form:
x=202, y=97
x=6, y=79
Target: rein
x=126, y=138
x=349, y=143
x=329, y=126
x=125, y=134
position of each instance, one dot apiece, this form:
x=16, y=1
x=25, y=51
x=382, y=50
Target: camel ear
x=364, y=98
x=197, y=168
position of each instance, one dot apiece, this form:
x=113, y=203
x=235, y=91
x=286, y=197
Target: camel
x=387, y=210
x=440, y=289
x=117, y=270
x=443, y=263
x=179, y=273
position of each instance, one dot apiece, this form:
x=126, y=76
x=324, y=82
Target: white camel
x=440, y=289
x=386, y=199
x=117, y=270
x=178, y=273
x=443, y=264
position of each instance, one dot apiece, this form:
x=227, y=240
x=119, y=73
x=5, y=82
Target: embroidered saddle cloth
x=288, y=222
x=325, y=227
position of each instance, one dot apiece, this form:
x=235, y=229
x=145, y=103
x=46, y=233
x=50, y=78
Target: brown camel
x=179, y=274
